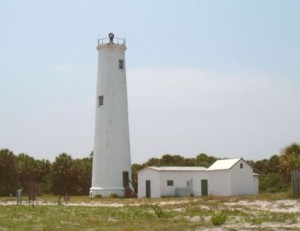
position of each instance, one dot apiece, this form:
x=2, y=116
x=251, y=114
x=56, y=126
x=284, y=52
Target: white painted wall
x=219, y=183
x=179, y=178
x=154, y=177
x=159, y=180
x=111, y=145
x=255, y=184
x=241, y=179
x=225, y=182
x=203, y=175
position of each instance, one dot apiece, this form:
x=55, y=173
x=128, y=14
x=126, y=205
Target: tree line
x=71, y=176
x=64, y=175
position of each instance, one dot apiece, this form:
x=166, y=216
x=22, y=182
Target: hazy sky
x=206, y=76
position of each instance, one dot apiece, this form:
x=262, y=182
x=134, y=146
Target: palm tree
x=290, y=158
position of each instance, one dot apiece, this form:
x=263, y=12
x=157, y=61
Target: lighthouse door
x=125, y=179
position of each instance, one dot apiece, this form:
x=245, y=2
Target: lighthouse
x=111, y=172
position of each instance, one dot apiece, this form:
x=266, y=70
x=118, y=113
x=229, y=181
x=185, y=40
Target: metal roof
x=175, y=168
x=218, y=165
x=224, y=164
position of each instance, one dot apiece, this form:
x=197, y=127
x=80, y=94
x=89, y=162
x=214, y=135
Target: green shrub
x=273, y=182
x=113, y=195
x=98, y=196
x=218, y=218
x=158, y=210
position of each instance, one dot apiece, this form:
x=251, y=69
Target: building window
x=121, y=64
x=100, y=100
x=241, y=165
x=170, y=182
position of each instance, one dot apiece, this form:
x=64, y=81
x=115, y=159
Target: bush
x=98, y=196
x=273, y=182
x=218, y=218
x=113, y=195
x=158, y=210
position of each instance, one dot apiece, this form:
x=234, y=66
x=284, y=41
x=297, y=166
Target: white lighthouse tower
x=111, y=158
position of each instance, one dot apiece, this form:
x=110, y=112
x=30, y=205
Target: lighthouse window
x=121, y=64
x=100, y=100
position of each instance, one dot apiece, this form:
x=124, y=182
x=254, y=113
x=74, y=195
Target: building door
x=148, y=188
x=204, y=187
x=125, y=179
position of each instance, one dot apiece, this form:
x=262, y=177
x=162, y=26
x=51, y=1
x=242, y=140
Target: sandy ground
x=290, y=206
x=284, y=206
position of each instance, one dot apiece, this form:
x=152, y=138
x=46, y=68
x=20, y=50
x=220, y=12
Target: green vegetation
x=113, y=195
x=218, y=218
x=73, y=176
x=231, y=213
x=158, y=210
x=64, y=176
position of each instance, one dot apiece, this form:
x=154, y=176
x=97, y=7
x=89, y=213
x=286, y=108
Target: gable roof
x=174, y=168
x=224, y=164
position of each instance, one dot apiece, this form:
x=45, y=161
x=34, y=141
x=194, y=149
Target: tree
x=290, y=158
x=260, y=166
x=71, y=176
x=153, y=162
x=172, y=160
x=134, y=171
x=8, y=174
x=269, y=182
x=82, y=172
x=27, y=170
x=205, y=160
x=62, y=173
x=271, y=178
x=190, y=162
x=44, y=176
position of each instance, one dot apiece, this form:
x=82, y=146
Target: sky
x=219, y=77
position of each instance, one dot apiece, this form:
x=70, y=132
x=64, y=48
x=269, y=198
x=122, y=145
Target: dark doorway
x=125, y=179
x=148, y=188
x=204, y=187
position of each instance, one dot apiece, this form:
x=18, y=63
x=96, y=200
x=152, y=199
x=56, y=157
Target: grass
x=219, y=218
x=83, y=218
x=145, y=214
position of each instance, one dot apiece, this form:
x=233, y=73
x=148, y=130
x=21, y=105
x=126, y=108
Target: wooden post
x=295, y=182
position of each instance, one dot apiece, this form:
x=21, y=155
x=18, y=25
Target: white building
x=111, y=158
x=224, y=177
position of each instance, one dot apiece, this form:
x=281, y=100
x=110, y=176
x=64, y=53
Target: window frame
x=170, y=182
x=121, y=64
x=100, y=100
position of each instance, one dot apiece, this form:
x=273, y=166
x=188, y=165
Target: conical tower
x=111, y=158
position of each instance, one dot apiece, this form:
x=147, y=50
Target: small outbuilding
x=224, y=177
